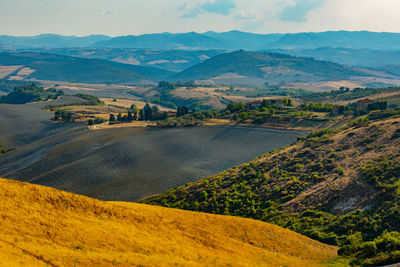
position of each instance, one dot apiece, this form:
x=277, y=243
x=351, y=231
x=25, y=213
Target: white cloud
x=77, y=17
x=222, y=7
x=106, y=11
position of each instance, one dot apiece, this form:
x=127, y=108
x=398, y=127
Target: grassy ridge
x=43, y=226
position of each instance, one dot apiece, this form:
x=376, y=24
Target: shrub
x=369, y=249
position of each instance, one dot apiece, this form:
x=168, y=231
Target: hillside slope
x=43, y=226
x=268, y=66
x=336, y=183
x=53, y=67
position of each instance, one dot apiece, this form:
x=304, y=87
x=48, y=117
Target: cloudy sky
x=124, y=17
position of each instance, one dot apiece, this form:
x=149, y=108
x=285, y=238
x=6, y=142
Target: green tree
x=141, y=115
x=181, y=111
x=148, y=112
x=112, y=118
x=130, y=116
x=236, y=107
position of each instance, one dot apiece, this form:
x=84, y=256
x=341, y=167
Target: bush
x=388, y=241
x=369, y=249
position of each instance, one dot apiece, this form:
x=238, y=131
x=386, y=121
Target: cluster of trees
x=30, y=93
x=167, y=98
x=383, y=250
x=379, y=105
x=64, y=115
x=317, y=107
x=274, y=111
x=148, y=113
x=9, y=85
x=345, y=94
x=95, y=121
x=265, y=92
x=182, y=111
x=165, y=85
x=187, y=118
x=90, y=100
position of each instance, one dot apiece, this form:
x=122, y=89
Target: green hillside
x=74, y=69
x=263, y=65
x=339, y=185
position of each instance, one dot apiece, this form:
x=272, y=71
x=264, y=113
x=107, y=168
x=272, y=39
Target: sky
x=126, y=17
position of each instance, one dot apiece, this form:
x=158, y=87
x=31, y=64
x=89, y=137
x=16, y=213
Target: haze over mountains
x=212, y=40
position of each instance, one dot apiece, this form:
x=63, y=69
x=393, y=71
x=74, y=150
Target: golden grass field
x=127, y=103
x=135, y=124
x=41, y=226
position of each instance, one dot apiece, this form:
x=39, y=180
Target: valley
x=239, y=149
x=121, y=164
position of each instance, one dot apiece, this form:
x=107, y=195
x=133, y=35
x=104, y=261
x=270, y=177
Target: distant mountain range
x=232, y=40
x=51, y=40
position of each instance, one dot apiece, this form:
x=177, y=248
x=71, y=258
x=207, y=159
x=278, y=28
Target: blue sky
x=124, y=17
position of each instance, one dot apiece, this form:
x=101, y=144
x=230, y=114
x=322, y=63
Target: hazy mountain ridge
x=347, y=56
x=211, y=40
x=50, y=40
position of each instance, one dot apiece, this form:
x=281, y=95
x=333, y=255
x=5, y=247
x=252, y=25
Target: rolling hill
x=266, y=66
x=42, y=66
x=43, y=226
x=348, y=56
x=171, y=60
x=339, y=185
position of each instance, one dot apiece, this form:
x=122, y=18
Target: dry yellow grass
x=43, y=226
x=128, y=103
x=134, y=124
